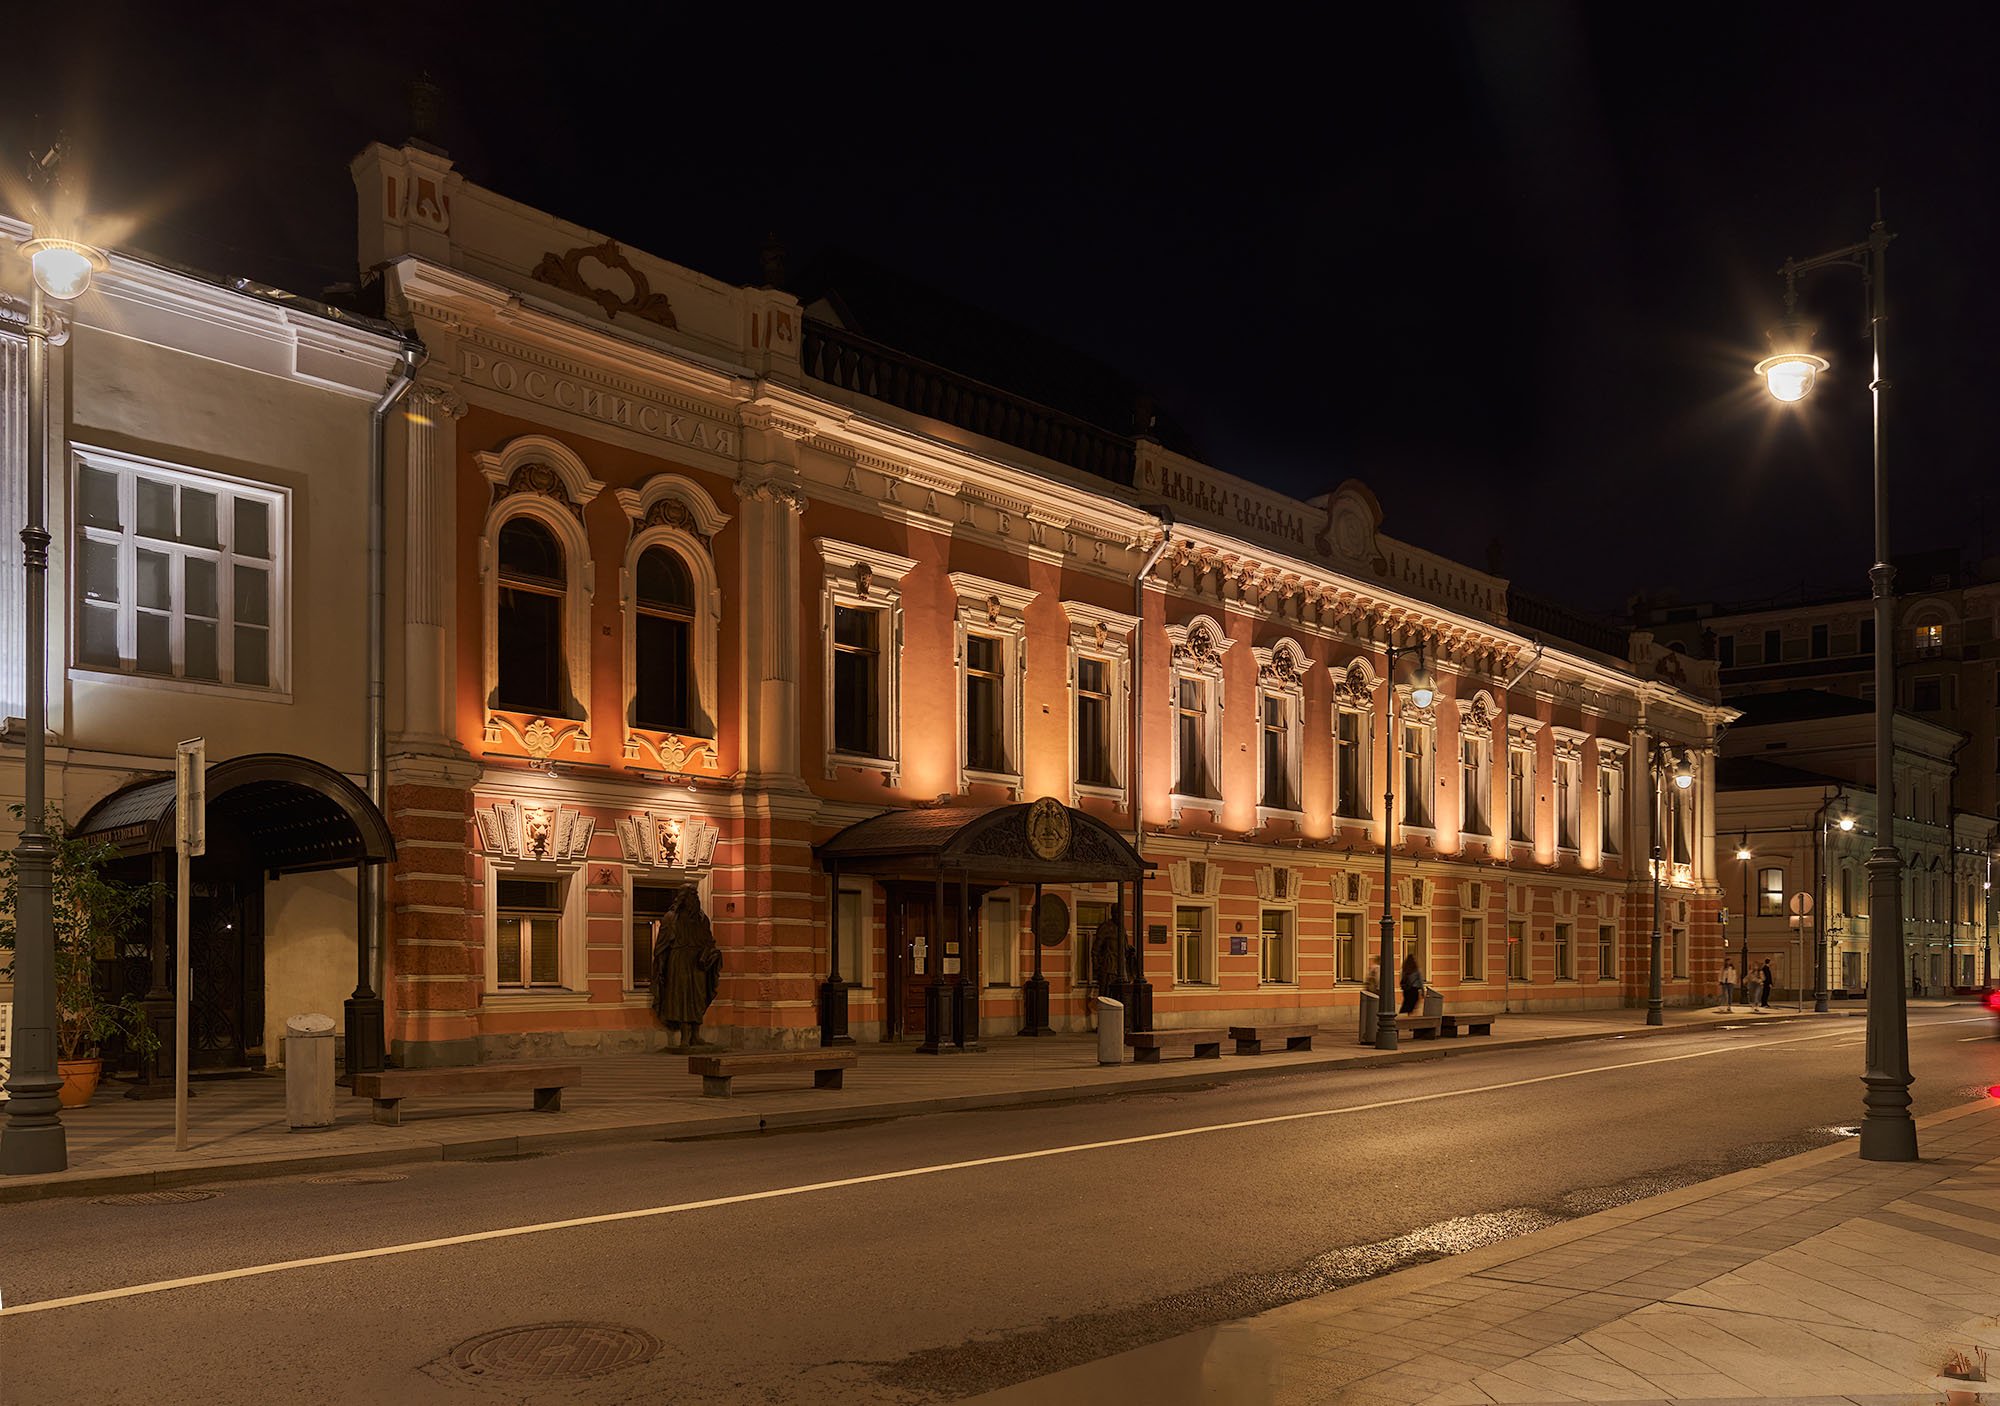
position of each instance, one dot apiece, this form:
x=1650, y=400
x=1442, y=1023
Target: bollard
x=309, y=1072
x=1110, y=1031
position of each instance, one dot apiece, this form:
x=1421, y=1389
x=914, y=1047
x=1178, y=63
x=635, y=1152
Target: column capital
x=439, y=398
x=771, y=490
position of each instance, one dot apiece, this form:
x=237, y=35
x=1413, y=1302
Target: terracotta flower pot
x=79, y=1080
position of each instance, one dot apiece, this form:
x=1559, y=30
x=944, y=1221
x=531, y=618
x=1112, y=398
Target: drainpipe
x=376, y=909
x=1140, y=994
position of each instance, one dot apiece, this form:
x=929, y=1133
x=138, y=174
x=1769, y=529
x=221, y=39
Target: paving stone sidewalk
x=1820, y=1278
x=238, y=1126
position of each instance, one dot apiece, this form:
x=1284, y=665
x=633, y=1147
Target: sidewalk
x=1820, y=1278
x=238, y=1129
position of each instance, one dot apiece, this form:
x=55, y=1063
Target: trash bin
x=1370, y=1000
x=1110, y=1031
x=309, y=1071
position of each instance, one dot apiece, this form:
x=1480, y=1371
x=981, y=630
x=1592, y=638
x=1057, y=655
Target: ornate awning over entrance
x=291, y=814
x=1040, y=841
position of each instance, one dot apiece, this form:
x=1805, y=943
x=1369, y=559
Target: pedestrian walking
x=1728, y=986
x=1413, y=984
x=1764, y=975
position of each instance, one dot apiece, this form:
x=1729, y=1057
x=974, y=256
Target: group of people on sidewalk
x=1756, y=990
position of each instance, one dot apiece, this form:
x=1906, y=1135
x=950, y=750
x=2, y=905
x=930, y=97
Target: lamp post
x=32, y=1140
x=1887, y=1132
x=1743, y=856
x=1661, y=764
x=1421, y=694
x=1822, y=883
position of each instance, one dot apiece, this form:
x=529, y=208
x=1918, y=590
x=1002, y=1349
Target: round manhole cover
x=547, y=1352
x=154, y=1198
x=358, y=1178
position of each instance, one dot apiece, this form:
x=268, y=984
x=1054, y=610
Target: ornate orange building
x=694, y=585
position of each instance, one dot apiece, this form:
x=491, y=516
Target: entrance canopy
x=292, y=815
x=1040, y=841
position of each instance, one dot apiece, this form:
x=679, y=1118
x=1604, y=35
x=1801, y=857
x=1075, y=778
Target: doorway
x=914, y=957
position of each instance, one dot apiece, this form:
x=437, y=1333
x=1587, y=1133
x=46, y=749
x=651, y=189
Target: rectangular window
x=1680, y=954
x=1191, y=776
x=1416, y=774
x=1930, y=639
x=1521, y=794
x=527, y=925
x=1474, y=783
x=1089, y=914
x=855, y=936
x=1927, y=695
x=1607, y=952
x=1681, y=803
x=1725, y=651
x=1610, y=809
x=1414, y=944
x=985, y=744
x=1275, y=733
x=1819, y=641
x=1517, y=948
x=178, y=574
x=1194, y=949
x=1565, y=946
x=1350, y=763
x=1770, y=893
x=1773, y=647
x=999, y=939
x=857, y=681
x=1093, y=722
x=1276, y=961
x=650, y=903
x=1346, y=946
x=1569, y=803
x=1471, y=949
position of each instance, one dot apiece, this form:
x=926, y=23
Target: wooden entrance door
x=916, y=953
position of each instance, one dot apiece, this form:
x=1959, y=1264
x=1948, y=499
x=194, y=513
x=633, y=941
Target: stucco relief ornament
x=1048, y=828
x=567, y=272
x=1199, y=649
x=1285, y=668
x=542, y=481
x=539, y=738
x=672, y=512
x=1354, y=690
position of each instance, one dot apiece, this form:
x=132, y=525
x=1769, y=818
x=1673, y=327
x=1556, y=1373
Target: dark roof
x=1794, y=705
x=1761, y=774
x=1539, y=616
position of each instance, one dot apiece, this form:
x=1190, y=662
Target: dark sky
x=1508, y=263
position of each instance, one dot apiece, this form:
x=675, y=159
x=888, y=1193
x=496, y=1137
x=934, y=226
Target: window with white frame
x=1680, y=949
x=1000, y=939
x=1093, y=722
x=1194, y=946
x=991, y=628
x=1565, y=951
x=1607, y=952
x=862, y=626
x=1475, y=761
x=1277, y=949
x=1418, y=762
x=535, y=561
x=1471, y=949
x=1415, y=941
x=1353, y=749
x=179, y=574
x=1281, y=671
x=1100, y=652
x=663, y=623
x=1521, y=788
x=1196, y=674
x=673, y=609
x=1610, y=802
x=856, y=931
x=1517, y=948
x=1770, y=893
x=1681, y=803
x=1346, y=945
x=527, y=933
x=1569, y=802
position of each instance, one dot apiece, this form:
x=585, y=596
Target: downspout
x=378, y=661
x=1166, y=517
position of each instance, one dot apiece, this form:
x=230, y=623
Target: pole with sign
x=190, y=835
x=1801, y=905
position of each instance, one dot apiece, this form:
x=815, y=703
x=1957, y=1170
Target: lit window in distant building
x=1770, y=893
x=1930, y=639
x=663, y=642
x=1415, y=941
x=1517, y=949
x=533, y=585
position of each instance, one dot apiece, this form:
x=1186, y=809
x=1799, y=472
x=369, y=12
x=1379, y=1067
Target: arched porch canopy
x=294, y=814
x=993, y=842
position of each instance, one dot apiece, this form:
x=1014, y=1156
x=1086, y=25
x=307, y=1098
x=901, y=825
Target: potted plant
x=88, y=911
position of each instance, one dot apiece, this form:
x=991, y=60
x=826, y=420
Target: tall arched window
x=663, y=649
x=533, y=582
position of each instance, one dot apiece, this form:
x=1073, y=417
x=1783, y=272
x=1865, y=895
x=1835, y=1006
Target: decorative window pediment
x=654, y=841
x=1521, y=731
x=675, y=501
x=1568, y=741
x=1198, y=646
x=1282, y=666
x=534, y=833
x=1098, y=630
x=1352, y=888
x=1354, y=685
x=1195, y=878
x=540, y=466
x=1477, y=713
x=1279, y=883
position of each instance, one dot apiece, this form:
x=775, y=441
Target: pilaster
x=429, y=585
x=773, y=502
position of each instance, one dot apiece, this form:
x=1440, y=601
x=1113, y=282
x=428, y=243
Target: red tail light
x=1993, y=1000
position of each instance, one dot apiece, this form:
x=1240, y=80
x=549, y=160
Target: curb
x=88, y=1182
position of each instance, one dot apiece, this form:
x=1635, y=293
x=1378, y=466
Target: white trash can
x=1110, y=1031
x=309, y=1071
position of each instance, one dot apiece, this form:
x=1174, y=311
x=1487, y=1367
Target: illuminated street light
x=63, y=267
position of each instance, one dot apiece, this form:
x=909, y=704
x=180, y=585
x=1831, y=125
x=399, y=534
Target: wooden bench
x=1147, y=1044
x=1474, y=1020
x=390, y=1087
x=828, y=1066
x=1250, y=1038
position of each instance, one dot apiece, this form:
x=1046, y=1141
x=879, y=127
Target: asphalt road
x=915, y=1260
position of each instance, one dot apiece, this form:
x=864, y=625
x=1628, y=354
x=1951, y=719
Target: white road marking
x=777, y=1193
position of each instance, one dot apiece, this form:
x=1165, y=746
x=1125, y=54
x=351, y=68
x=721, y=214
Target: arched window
x=663, y=649
x=533, y=584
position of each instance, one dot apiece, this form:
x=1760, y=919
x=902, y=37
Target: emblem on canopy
x=1048, y=828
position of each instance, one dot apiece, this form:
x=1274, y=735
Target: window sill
x=970, y=776
x=544, y=999
x=1091, y=791
x=81, y=673
x=1269, y=813
x=856, y=760
x=1277, y=986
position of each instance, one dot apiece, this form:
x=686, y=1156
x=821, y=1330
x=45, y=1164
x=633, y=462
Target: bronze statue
x=686, y=968
x=1107, y=953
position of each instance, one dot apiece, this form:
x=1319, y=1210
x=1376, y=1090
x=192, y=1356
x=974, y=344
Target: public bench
x=1147, y=1045
x=1474, y=1020
x=829, y=1067
x=1250, y=1038
x=391, y=1086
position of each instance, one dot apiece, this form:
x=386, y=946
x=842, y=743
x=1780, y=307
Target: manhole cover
x=548, y=1352
x=358, y=1178
x=154, y=1198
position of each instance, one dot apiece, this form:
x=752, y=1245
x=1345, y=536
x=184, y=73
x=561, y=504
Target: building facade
x=686, y=581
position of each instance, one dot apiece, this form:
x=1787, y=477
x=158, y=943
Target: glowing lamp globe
x=63, y=268
x=1683, y=776
x=1790, y=375
x=1423, y=690
x=1847, y=822
x=1743, y=854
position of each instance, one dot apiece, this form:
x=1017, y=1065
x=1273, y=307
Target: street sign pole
x=190, y=835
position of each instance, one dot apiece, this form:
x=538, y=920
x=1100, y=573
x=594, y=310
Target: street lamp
x=1743, y=856
x=1887, y=1132
x=1422, y=692
x=1662, y=764
x=32, y=1139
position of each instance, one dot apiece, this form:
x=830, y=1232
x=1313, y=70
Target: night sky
x=1509, y=264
